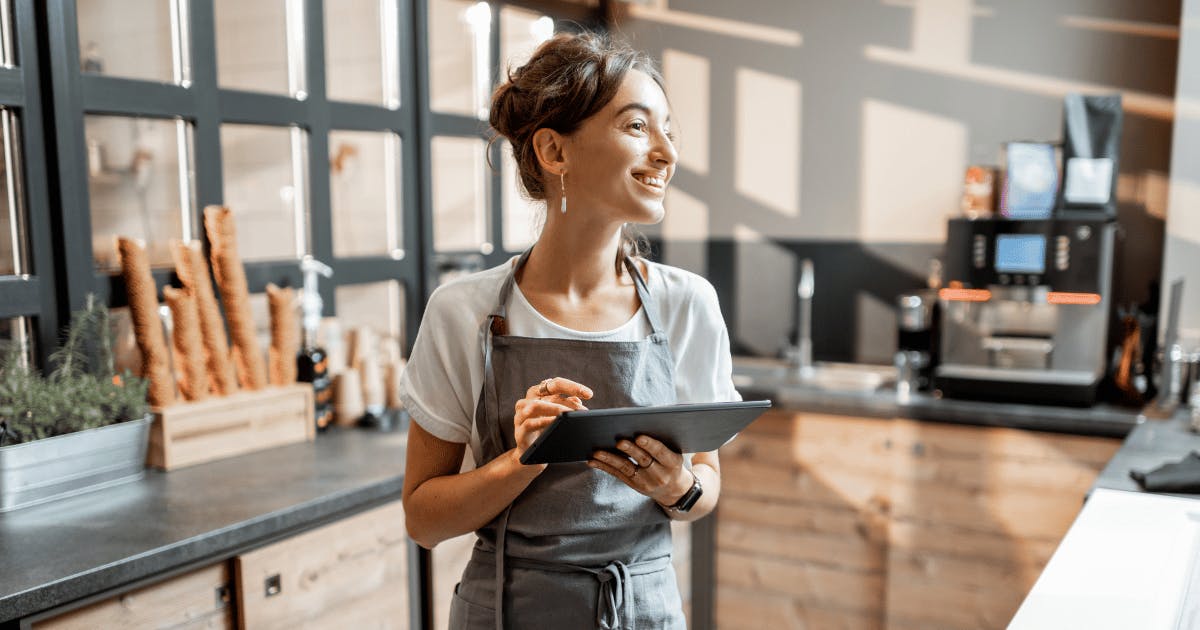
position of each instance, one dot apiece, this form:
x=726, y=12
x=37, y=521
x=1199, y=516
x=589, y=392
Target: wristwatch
x=689, y=498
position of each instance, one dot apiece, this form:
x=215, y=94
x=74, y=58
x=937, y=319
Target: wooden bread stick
x=188, y=343
x=147, y=328
x=231, y=281
x=192, y=270
x=285, y=335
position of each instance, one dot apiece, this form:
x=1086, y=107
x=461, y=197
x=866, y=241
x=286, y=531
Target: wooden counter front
x=842, y=522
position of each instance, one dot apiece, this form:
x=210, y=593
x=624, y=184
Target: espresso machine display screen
x=1020, y=253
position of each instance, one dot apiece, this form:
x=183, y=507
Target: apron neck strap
x=500, y=310
x=643, y=293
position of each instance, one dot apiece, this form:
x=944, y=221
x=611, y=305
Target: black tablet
x=688, y=428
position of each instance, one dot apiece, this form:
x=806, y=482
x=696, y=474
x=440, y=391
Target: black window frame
x=31, y=295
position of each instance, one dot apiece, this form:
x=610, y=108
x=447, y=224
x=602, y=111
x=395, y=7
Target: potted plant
x=81, y=428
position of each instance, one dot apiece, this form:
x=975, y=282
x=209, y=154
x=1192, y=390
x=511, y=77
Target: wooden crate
x=195, y=432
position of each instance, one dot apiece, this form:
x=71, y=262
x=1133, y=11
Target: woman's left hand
x=650, y=468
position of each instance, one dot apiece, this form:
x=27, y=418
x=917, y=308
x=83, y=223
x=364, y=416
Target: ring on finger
x=544, y=387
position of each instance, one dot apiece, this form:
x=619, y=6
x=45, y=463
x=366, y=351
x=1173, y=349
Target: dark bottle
x=312, y=364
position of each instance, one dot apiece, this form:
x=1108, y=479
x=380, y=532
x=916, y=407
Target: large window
x=479, y=215
x=286, y=111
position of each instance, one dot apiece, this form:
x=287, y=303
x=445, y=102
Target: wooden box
x=189, y=433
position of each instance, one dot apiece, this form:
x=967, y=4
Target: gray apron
x=578, y=548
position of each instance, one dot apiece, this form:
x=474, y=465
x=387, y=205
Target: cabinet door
x=801, y=525
x=192, y=601
x=349, y=574
x=976, y=514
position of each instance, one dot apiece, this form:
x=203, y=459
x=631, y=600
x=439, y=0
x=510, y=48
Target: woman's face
x=620, y=160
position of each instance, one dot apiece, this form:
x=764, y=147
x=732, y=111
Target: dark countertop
x=1150, y=445
x=65, y=550
x=1100, y=420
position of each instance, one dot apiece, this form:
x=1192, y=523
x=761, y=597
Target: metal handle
x=272, y=585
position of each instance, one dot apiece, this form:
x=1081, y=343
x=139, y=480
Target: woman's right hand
x=541, y=405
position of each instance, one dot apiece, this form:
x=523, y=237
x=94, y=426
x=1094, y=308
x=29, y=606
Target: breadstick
x=231, y=281
x=189, y=346
x=285, y=335
x=192, y=270
x=147, y=328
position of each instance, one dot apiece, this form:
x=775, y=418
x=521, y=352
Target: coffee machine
x=1025, y=309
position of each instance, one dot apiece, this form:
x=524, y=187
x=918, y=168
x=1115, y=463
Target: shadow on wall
x=841, y=132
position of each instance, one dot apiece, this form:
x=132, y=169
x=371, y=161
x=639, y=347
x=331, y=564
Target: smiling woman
x=579, y=320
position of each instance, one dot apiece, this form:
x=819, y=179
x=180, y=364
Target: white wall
x=1181, y=258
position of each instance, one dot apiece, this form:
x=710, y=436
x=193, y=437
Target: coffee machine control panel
x=1062, y=254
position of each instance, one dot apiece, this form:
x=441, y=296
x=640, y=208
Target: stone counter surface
x=1152, y=444
x=1100, y=420
x=62, y=551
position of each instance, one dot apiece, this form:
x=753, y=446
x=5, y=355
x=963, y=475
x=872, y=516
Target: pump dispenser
x=312, y=364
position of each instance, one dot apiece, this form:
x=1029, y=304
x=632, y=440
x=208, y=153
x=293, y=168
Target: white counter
x=1127, y=562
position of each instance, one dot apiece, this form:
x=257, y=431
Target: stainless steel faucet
x=799, y=356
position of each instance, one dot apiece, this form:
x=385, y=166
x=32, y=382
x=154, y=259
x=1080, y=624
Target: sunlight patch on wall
x=1133, y=101
x=766, y=292
x=687, y=78
x=718, y=26
x=685, y=232
x=1184, y=204
x=1124, y=27
x=941, y=29
x=911, y=174
x=767, y=132
x=686, y=217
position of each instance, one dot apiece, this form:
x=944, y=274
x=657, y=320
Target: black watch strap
x=690, y=497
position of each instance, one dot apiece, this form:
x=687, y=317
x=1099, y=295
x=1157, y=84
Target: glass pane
x=361, y=59
x=126, y=355
x=376, y=305
x=364, y=185
x=260, y=312
x=459, y=195
x=12, y=212
x=137, y=171
x=260, y=45
x=521, y=31
x=459, y=57
x=264, y=171
x=522, y=215
x=17, y=334
x=137, y=39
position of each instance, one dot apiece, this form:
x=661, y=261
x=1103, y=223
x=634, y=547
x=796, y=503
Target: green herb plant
x=83, y=391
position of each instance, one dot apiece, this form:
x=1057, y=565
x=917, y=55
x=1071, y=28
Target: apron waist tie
x=614, y=604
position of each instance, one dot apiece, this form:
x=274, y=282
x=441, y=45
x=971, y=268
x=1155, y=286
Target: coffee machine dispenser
x=1025, y=309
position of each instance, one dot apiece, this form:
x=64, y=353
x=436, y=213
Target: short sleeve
x=704, y=367
x=436, y=386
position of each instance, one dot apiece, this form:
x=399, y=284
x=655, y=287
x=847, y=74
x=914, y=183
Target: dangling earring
x=562, y=182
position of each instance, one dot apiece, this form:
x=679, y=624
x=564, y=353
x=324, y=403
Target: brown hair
x=568, y=79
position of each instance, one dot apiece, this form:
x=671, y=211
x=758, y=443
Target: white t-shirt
x=444, y=376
